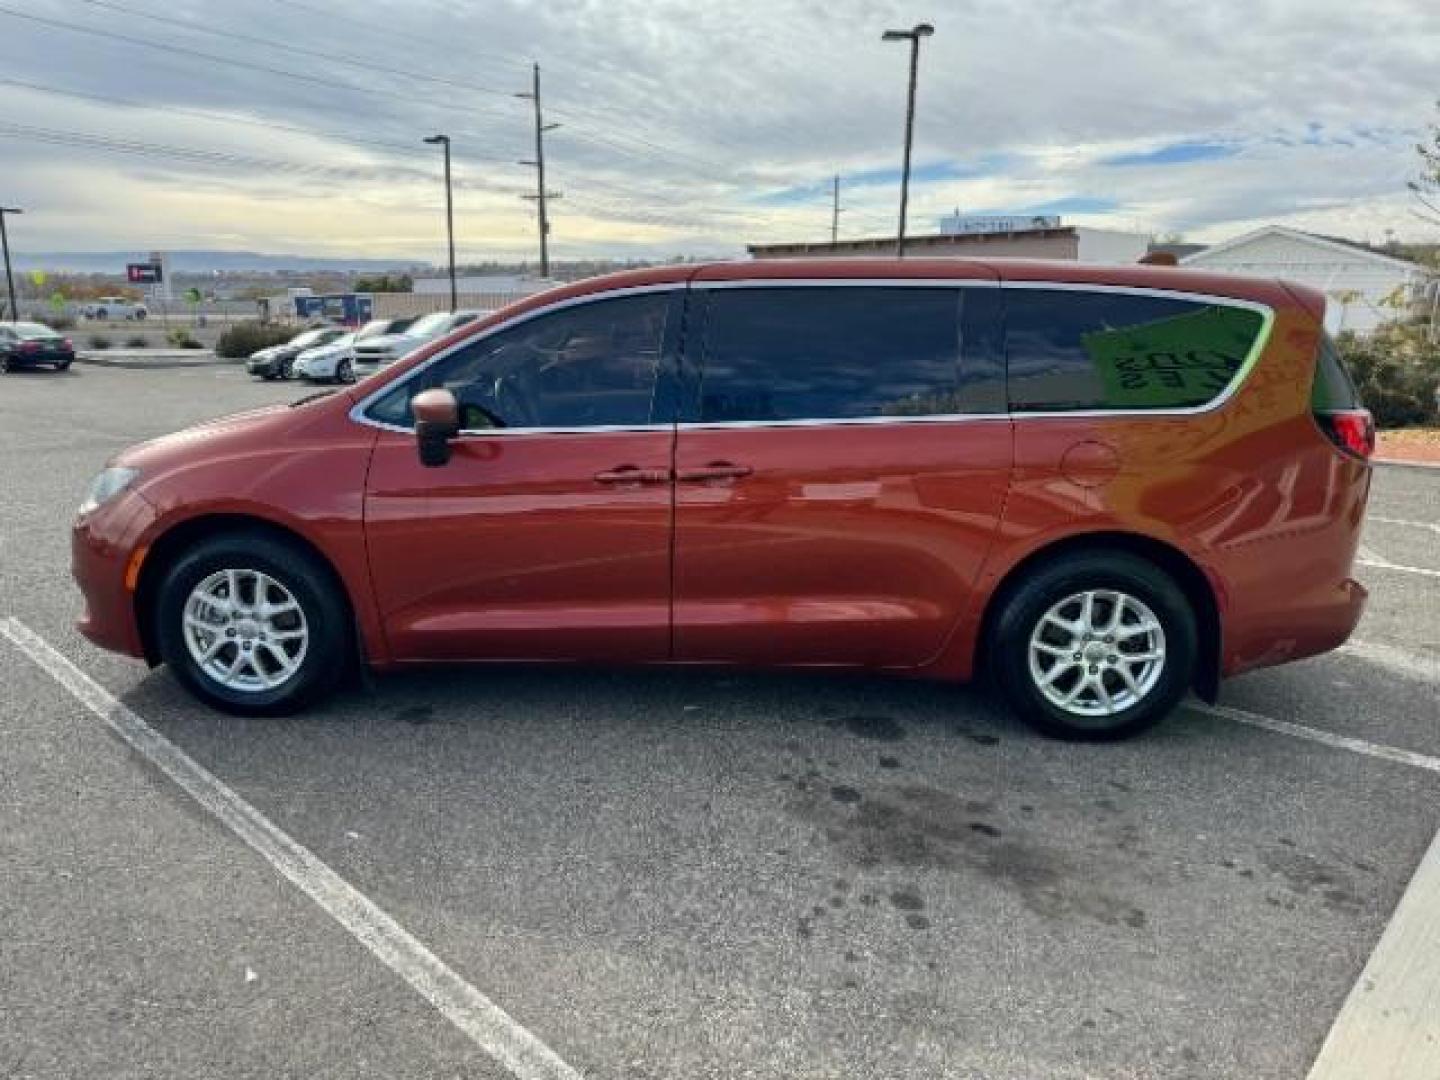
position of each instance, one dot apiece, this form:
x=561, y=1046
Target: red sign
x=143, y=273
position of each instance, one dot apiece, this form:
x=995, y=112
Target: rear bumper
x=1323, y=623
x=102, y=547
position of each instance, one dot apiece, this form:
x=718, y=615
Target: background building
x=1365, y=287
x=980, y=238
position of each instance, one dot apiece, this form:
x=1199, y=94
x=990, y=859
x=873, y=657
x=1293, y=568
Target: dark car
x=278, y=361
x=28, y=344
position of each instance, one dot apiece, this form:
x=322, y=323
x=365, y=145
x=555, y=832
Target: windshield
x=33, y=330
x=373, y=328
x=430, y=324
x=309, y=337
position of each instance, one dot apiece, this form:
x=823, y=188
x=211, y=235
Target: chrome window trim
x=1262, y=339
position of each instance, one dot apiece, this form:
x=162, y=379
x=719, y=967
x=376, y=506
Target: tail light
x=67, y=344
x=1352, y=430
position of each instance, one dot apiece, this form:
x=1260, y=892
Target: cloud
x=701, y=127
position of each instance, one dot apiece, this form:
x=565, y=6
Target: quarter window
x=1072, y=349
x=592, y=365
x=831, y=353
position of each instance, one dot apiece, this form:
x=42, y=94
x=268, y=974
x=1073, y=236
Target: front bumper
x=105, y=559
x=267, y=365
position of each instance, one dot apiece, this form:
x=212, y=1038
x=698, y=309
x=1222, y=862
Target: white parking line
x=1404, y=521
x=1389, y=1026
x=1401, y=661
x=1328, y=738
x=1369, y=557
x=475, y=1015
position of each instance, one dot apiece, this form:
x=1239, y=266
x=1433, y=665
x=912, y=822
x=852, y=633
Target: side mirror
x=437, y=422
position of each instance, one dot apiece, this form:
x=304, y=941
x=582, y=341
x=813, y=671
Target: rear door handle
x=633, y=474
x=716, y=470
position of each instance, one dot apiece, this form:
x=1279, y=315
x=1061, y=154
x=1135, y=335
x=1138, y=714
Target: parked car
x=331, y=362
x=115, y=307
x=380, y=350
x=28, y=344
x=336, y=361
x=1101, y=486
x=278, y=361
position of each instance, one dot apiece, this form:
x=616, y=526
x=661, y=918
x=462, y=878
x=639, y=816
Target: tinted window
x=817, y=353
x=594, y=364
x=1071, y=349
x=1333, y=388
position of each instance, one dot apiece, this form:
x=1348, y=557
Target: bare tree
x=1426, y=187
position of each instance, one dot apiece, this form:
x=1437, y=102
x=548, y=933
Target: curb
x=1403, y=464
x=154, y=361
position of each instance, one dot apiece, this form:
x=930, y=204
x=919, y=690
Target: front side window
x=1070, y=349
x=591, y=365
x=831, y=353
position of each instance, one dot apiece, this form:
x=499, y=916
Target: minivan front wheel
x=1095, y=646
x=252, y=625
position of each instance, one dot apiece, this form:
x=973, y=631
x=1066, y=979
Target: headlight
x=106, y=486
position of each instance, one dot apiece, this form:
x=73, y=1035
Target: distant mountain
x=205, y=262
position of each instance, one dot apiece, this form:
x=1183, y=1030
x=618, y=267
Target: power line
x=122, y=103
x=270, y=43
x=213, y=58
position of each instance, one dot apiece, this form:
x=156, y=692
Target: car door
x=547, y=535
x=841, y=468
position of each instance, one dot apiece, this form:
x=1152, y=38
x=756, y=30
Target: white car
x=115, y=307
x=386, y=349
x=334, y=361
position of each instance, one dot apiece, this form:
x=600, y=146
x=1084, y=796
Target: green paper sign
x=1173, y=363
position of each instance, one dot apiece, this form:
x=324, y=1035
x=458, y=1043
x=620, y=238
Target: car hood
x=156, y=455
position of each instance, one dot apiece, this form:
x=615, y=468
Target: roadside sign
x=144, y=273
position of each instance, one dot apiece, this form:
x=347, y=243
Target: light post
x=444, y=141
x=913, y=35
x=9, y=276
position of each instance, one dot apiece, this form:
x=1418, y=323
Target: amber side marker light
x=132, y=568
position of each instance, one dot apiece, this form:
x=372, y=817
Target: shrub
x=181, y=338
x=1397, y=371
x=137, y=341
x=99, y=341
x=242, y=339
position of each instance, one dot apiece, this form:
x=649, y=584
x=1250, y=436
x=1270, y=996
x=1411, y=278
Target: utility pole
x=913, y=35
x=541, y=196
x=444, y=140
x=9, y=276
x=835, y=209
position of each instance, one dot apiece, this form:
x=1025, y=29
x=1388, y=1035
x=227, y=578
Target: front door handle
x=633, y=474
x=716, y=470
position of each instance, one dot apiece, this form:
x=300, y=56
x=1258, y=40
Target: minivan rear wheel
x=252, y=624
x=1094, y=645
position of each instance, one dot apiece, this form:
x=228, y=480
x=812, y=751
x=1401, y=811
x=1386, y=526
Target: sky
x=690, y=128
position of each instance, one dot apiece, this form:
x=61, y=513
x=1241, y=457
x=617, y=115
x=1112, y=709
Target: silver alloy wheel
x=1097, y=653
x=245, y=630
x=345, y=372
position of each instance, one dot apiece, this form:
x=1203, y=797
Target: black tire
x=1051, y=583
x=345, y=372
x=310, y=582
x=141, y=315
x=287, y=368
x=63, y=365
x=101, y=313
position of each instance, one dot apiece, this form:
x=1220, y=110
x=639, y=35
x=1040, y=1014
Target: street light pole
x=444, y=141
x=913, y=35
x=9, y=275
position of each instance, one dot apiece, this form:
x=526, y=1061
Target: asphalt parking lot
x=691, y=873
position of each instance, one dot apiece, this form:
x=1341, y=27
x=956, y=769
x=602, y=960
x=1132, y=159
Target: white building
x=1365, y=288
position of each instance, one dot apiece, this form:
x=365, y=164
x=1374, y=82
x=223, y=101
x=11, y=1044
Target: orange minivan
x=1101, y=487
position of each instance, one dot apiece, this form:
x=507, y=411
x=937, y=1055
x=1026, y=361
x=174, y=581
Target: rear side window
x=1069, y=349
x=831, y=353
x=1333, y=390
